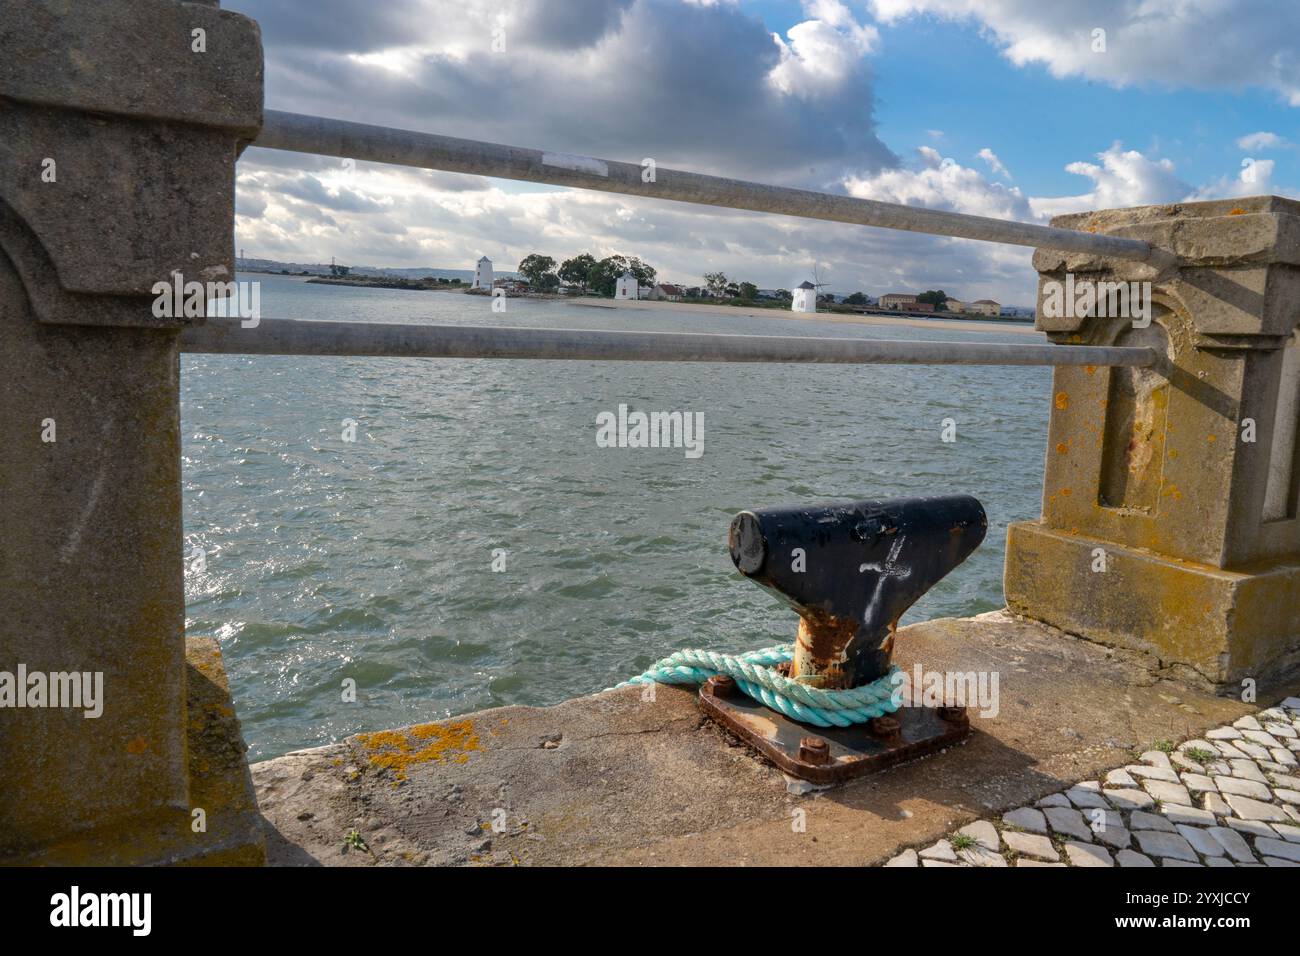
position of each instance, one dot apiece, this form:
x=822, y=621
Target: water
x=372, y=560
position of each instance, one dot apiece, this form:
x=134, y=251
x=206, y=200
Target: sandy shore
x=963, y=325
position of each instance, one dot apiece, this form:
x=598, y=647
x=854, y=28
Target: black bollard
x=850, y=570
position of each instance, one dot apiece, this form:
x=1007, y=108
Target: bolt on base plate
x=826, y=755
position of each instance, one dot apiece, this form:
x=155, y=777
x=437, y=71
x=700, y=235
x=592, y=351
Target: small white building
x=626, y=286
x=804, y=298
x=482, y=274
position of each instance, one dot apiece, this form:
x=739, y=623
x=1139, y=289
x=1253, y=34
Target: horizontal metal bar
x=295, y=337
x=381, y=144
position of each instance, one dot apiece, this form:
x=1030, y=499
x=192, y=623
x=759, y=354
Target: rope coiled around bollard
x=754, y=673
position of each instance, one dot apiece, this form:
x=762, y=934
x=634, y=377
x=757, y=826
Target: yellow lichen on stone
x=398, y=750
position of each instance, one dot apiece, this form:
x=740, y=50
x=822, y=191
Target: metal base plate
x=849, y=751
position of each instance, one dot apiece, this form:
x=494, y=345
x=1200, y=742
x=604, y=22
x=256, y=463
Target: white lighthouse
x=804, y=298
x=625, y=287
x=483, y=275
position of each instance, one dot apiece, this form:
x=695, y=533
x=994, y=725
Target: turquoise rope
x=754, y=674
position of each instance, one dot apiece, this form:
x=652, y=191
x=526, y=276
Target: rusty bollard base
x=849, y=752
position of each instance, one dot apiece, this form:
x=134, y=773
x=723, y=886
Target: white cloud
x=1255, y=179
x=1120, y=178
x=942, y=183
x=994, y=163
x=1261, y=140
x=823, y=52
x=1206, y=44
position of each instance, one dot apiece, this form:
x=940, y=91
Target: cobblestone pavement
x=1230, y=798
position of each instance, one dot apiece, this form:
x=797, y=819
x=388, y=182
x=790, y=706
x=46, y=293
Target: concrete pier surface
x=616, y=779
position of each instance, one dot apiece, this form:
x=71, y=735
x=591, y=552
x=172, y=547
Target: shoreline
x=962, y=325
x=633, y=305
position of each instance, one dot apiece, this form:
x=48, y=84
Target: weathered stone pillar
x=1170, y=519
x=120, y=124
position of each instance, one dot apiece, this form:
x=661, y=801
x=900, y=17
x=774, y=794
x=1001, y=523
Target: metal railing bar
x=300, y=337
x=296, y=132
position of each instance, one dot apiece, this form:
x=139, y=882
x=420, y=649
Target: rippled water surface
x=373, y=560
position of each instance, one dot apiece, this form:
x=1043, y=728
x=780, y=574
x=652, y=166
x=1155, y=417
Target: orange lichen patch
x=1062, y=400
x=1062, y=447
x=1065, y=492
x=1171, y=491
x=1090, y=369
x=1173, y=453
x=137, y=746
x=1236, y=211
x=1211, y=438
x=397, y=750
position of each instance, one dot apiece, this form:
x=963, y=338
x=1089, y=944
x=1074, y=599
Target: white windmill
x=805, y=294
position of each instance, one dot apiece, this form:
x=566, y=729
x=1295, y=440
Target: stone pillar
x=120, y=124
x=1170, y=519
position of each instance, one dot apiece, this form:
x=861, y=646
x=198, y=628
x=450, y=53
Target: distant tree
x=935, y=297
x=732, y=290
x=716, y=282
x=785, y=295
x=604, y=274
x=645, y=275
x=694, y=292
x=748, y=291
x=857, y=298
x=536, y=269
x=577, y=271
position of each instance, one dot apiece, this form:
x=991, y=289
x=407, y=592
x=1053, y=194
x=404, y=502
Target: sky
x=1018, y=109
